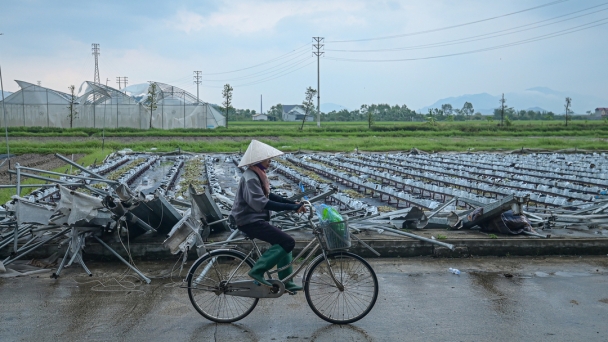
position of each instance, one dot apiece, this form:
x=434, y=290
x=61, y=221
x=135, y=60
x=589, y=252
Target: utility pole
x=107, y=80
x=318, y=46
x=502, y=109
x=8, y=152
x=261, y=112
x=38, y=83
x=197, y=81
x=567, y=105
x=95, y=49
x=122, y=80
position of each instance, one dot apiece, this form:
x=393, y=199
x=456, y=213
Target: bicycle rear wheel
x=206, y=286
x=359, y=294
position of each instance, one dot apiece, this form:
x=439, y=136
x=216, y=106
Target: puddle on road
x=501, y=302
x=341, y=333
x=224, y=332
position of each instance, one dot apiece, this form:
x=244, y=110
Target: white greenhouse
x=100, y=106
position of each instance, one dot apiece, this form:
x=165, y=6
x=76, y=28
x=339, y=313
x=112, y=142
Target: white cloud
x=245, y=17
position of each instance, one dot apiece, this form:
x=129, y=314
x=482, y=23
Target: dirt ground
x=39, y=161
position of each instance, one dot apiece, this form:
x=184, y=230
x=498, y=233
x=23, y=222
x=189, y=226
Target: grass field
x=331, y=136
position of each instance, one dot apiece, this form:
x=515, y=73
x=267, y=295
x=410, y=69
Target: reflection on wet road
x=493, y=299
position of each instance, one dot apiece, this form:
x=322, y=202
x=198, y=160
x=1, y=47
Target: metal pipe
x=86, y=269
x=365, y=244
x=579, y=217
x=66, y=175
x=146, y=279
x=15, y=238
x=39, y=185
x=210, y=264
x=441, y=207
x=77, y=249
x=18, y=179
x=95, y=190
x=62, y=264
x=27, y=243
x=10, y=236
x=30, y=175
x=537, y=235
x=36, y=246
x=39, y=229
x=414, y=236
x=83, y=169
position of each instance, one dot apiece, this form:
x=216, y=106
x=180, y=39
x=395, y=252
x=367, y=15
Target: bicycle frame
x=316, y=241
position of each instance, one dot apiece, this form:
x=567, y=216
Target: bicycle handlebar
x=308, y=205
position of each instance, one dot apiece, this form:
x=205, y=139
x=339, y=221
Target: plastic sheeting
x=100, y=106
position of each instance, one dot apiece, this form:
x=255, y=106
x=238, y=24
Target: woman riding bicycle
x=251, y=213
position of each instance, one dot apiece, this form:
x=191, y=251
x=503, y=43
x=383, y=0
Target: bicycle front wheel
x=207, y=281
x=330, y=303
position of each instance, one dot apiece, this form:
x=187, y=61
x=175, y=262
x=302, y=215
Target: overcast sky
x=50, y=41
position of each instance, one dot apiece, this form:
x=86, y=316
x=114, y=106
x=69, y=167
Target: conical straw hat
x=257, y=152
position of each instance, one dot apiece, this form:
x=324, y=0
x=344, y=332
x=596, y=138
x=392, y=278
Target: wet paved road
x=547, y=299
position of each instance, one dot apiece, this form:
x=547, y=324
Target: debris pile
x=184, y=199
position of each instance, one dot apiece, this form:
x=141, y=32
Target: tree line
x=385, y=112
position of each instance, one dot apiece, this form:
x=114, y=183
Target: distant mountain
x=537, y=98
x=482, y=103
x=328, y=107
x=6, y=94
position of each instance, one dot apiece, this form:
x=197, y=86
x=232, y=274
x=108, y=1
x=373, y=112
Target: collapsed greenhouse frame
x=101, y=106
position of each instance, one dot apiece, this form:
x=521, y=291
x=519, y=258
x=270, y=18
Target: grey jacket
x=250, y=201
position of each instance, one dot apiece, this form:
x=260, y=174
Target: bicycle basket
x=336, y=235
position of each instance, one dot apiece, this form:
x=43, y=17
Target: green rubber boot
x=267, y=261
x=290, y=285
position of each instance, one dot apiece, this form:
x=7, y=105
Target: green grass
x=331, y=136
x=329, y=144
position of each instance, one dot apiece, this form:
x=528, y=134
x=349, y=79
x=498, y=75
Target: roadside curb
x=388, y=248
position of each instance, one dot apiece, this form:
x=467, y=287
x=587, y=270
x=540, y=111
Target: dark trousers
x=264, y=231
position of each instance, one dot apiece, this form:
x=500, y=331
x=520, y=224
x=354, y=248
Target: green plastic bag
x=328, y=214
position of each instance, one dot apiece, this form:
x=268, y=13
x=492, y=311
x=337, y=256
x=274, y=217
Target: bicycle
x=340, y=287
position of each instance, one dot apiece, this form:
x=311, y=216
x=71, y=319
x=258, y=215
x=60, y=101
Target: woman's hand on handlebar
x=301, y=210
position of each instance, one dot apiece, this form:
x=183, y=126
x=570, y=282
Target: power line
x=268, y=75
x=529, y=40
x=485, y=35
x=267, y=71
x=264, y=63
x=448, y=27
x=263, y=80
x=273, y=69
x=272, y=78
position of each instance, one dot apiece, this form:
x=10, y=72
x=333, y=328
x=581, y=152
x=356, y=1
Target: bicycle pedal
x=291, y=293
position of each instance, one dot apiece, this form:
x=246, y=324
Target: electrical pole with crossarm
x=8, y=151
x=197, y=81
x=318, y=46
